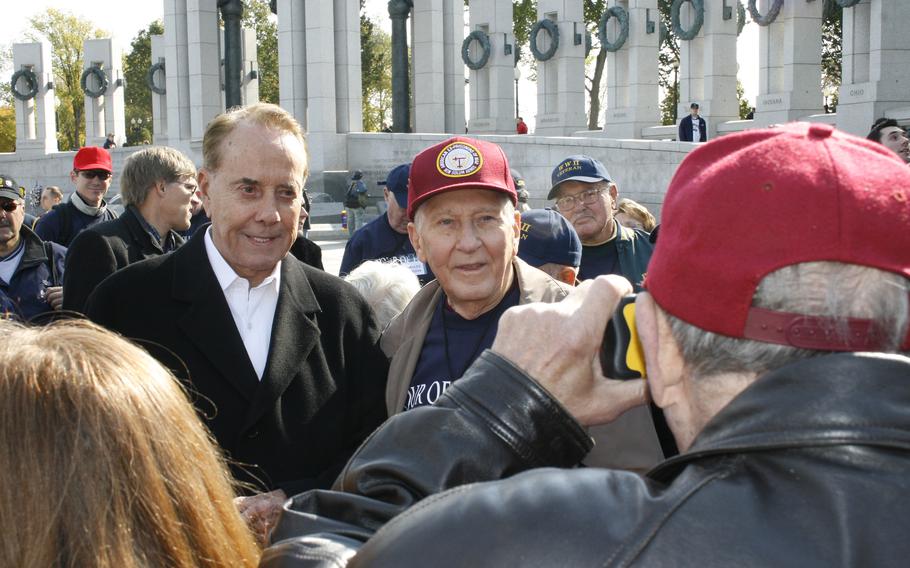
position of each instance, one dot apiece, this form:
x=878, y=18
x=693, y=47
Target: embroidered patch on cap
x=458, y=160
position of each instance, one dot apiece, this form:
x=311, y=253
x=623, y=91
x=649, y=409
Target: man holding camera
x=795, y=445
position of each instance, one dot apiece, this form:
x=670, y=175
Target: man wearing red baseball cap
x=92, y=173
x=771, y=337
x=461, y=203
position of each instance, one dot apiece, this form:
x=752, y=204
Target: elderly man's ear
x=662, y=356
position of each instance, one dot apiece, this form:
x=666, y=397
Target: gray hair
x=386, y=286
x=147, y=167
x=829, y=289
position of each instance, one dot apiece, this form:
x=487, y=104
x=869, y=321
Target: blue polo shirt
x=377, y=240
x=452, y=344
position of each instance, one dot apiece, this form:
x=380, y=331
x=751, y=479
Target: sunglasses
x=9, y=206
x=92, y=174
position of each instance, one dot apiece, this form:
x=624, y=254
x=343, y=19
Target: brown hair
x=147, y=167
x=638, y=211
x=263, y=114
x=103, y=459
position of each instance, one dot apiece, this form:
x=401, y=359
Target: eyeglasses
x=586, y=197
x=9, y=206
x=92, y=174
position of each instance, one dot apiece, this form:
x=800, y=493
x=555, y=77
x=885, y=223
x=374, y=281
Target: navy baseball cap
x=397, y=183
x=546, y=236
x=578, y=168
x=10, y=189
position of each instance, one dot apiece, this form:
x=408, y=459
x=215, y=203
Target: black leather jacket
x=809, y=466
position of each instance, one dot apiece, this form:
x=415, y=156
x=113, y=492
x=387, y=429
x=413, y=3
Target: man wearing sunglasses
x=31, y=271
x=586, y=195
x=92, y=172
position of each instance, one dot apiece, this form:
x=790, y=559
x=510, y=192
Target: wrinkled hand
x=558, y=345
x=261, y=512
x=55, y=296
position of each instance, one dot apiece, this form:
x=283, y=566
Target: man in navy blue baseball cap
x=386, y=237
x=549, y=243
x=585, y=193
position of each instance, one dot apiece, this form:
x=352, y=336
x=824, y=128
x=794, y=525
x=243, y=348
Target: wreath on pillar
x=689, y=34
x=150, y=78
x=740, y=17
x=768, y=18
x=847, y=3
x=553, y=31
x=100, y=76
x=484, y=40
x=623, y=18
x=31, y=81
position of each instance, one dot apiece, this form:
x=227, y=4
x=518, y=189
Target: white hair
x=386, y=286
x=827, y=289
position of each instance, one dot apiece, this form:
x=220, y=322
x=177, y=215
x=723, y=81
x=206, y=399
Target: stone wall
x=641, y=168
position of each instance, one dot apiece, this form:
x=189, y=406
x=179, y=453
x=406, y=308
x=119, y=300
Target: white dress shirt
x=253, y=309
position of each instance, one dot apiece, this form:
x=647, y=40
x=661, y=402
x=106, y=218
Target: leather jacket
x=808, y=466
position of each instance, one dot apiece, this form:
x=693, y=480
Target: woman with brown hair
x=103, y=460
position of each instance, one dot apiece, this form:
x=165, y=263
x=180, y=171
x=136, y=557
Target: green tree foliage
x=667, y=75
x=7, y=128
x=744, y=107
x=257, y=15
x=832, y=28
x=66, y=34
x=376, y=66
x=137, y=96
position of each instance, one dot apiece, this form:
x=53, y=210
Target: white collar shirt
x=253, y=309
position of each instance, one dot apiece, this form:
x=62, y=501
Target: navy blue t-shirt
x=377, y=240
x=599, y=259
x=451, y=345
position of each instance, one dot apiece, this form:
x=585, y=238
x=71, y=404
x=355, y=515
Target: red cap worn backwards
x=747, y=204
x=92, y=158
x=458, y=163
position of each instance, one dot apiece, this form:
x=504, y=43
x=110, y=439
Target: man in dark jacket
x=30, y=270
x=92, y=171
x=282, y=358
x=385, y=238
x=158, y=186
x=693, y=128
x=586, y=194
x=795, y=447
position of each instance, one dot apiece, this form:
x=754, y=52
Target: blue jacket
x=33, y=276
x=685, y=130
x=62, y=223
x=377, y=240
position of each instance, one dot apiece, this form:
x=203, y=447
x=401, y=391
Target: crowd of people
x=187, y=386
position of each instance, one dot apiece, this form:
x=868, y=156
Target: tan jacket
x=402, y=340
x=629, y=442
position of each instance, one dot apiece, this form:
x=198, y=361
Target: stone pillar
x=204, y=64
x=398, y=12
x=452, y=37
x=428, y=54
x=875, y=77
x=633, y=100
x=104, y=113
x=707, y=70
x=561, y=79
x=249, y=78
x=790, y=71
x=492, y=87
x=306, y=75
x=231, y=11
x=36, y=121
x=176, y=56
x=159, y=102
x=348, y=85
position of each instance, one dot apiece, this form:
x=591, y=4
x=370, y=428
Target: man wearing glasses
x=30, y=270
x=92, y=171
x=586, y=195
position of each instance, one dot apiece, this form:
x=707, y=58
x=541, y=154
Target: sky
x=125, y=18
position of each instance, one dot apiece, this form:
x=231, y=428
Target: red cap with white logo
x=458, y=163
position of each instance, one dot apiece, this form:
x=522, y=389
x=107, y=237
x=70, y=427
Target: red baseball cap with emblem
x=92, y=158
x=458, y=163
x=747, y=204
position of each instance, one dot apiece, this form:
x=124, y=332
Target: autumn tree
x=66, y=34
